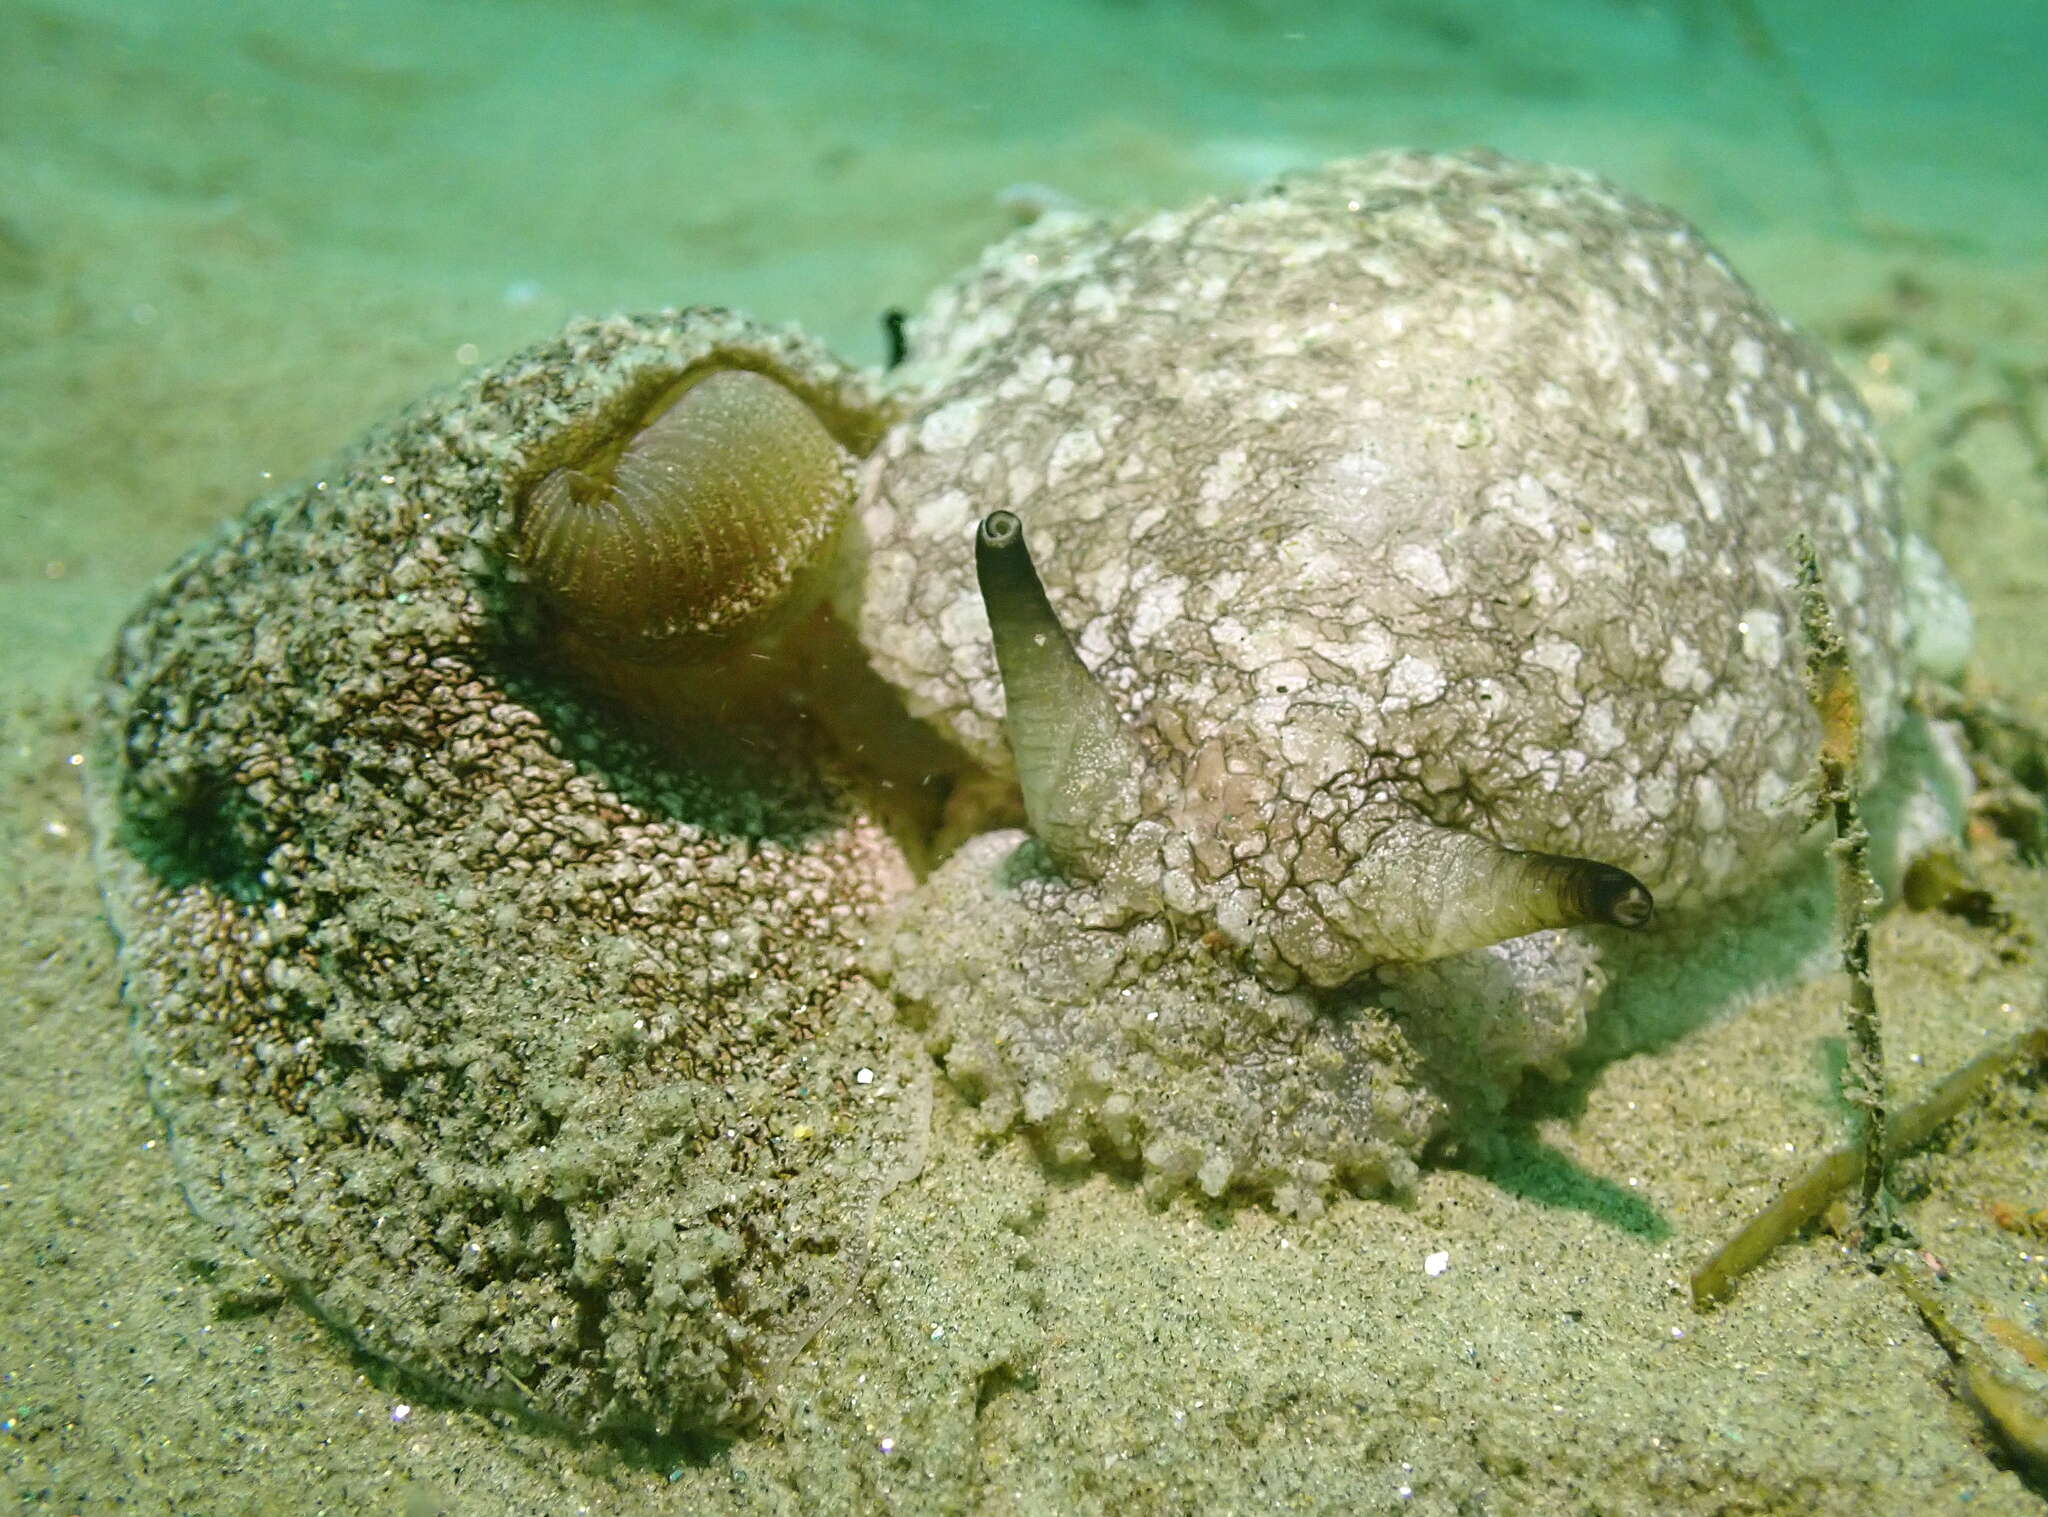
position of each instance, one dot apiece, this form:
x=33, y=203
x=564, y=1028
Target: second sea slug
x=1421, y=528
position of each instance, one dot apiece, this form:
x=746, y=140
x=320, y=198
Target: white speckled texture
x=1413, y=493
x=1447, y=485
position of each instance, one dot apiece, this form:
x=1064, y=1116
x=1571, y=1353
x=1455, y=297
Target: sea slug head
x=1433, y=563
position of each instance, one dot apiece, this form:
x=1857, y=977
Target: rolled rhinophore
x=702, y=529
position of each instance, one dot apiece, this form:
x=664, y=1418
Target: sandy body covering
x=530, y=1050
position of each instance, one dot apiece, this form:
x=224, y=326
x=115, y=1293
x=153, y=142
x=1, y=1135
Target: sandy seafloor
x=232, y=236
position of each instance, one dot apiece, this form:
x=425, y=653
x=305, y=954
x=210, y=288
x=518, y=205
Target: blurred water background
x=232, y=234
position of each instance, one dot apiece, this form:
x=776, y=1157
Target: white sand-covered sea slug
x=549, y=848
x=1414, y=539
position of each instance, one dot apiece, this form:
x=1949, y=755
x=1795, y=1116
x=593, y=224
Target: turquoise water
x=285, y=219
x=819, y=160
